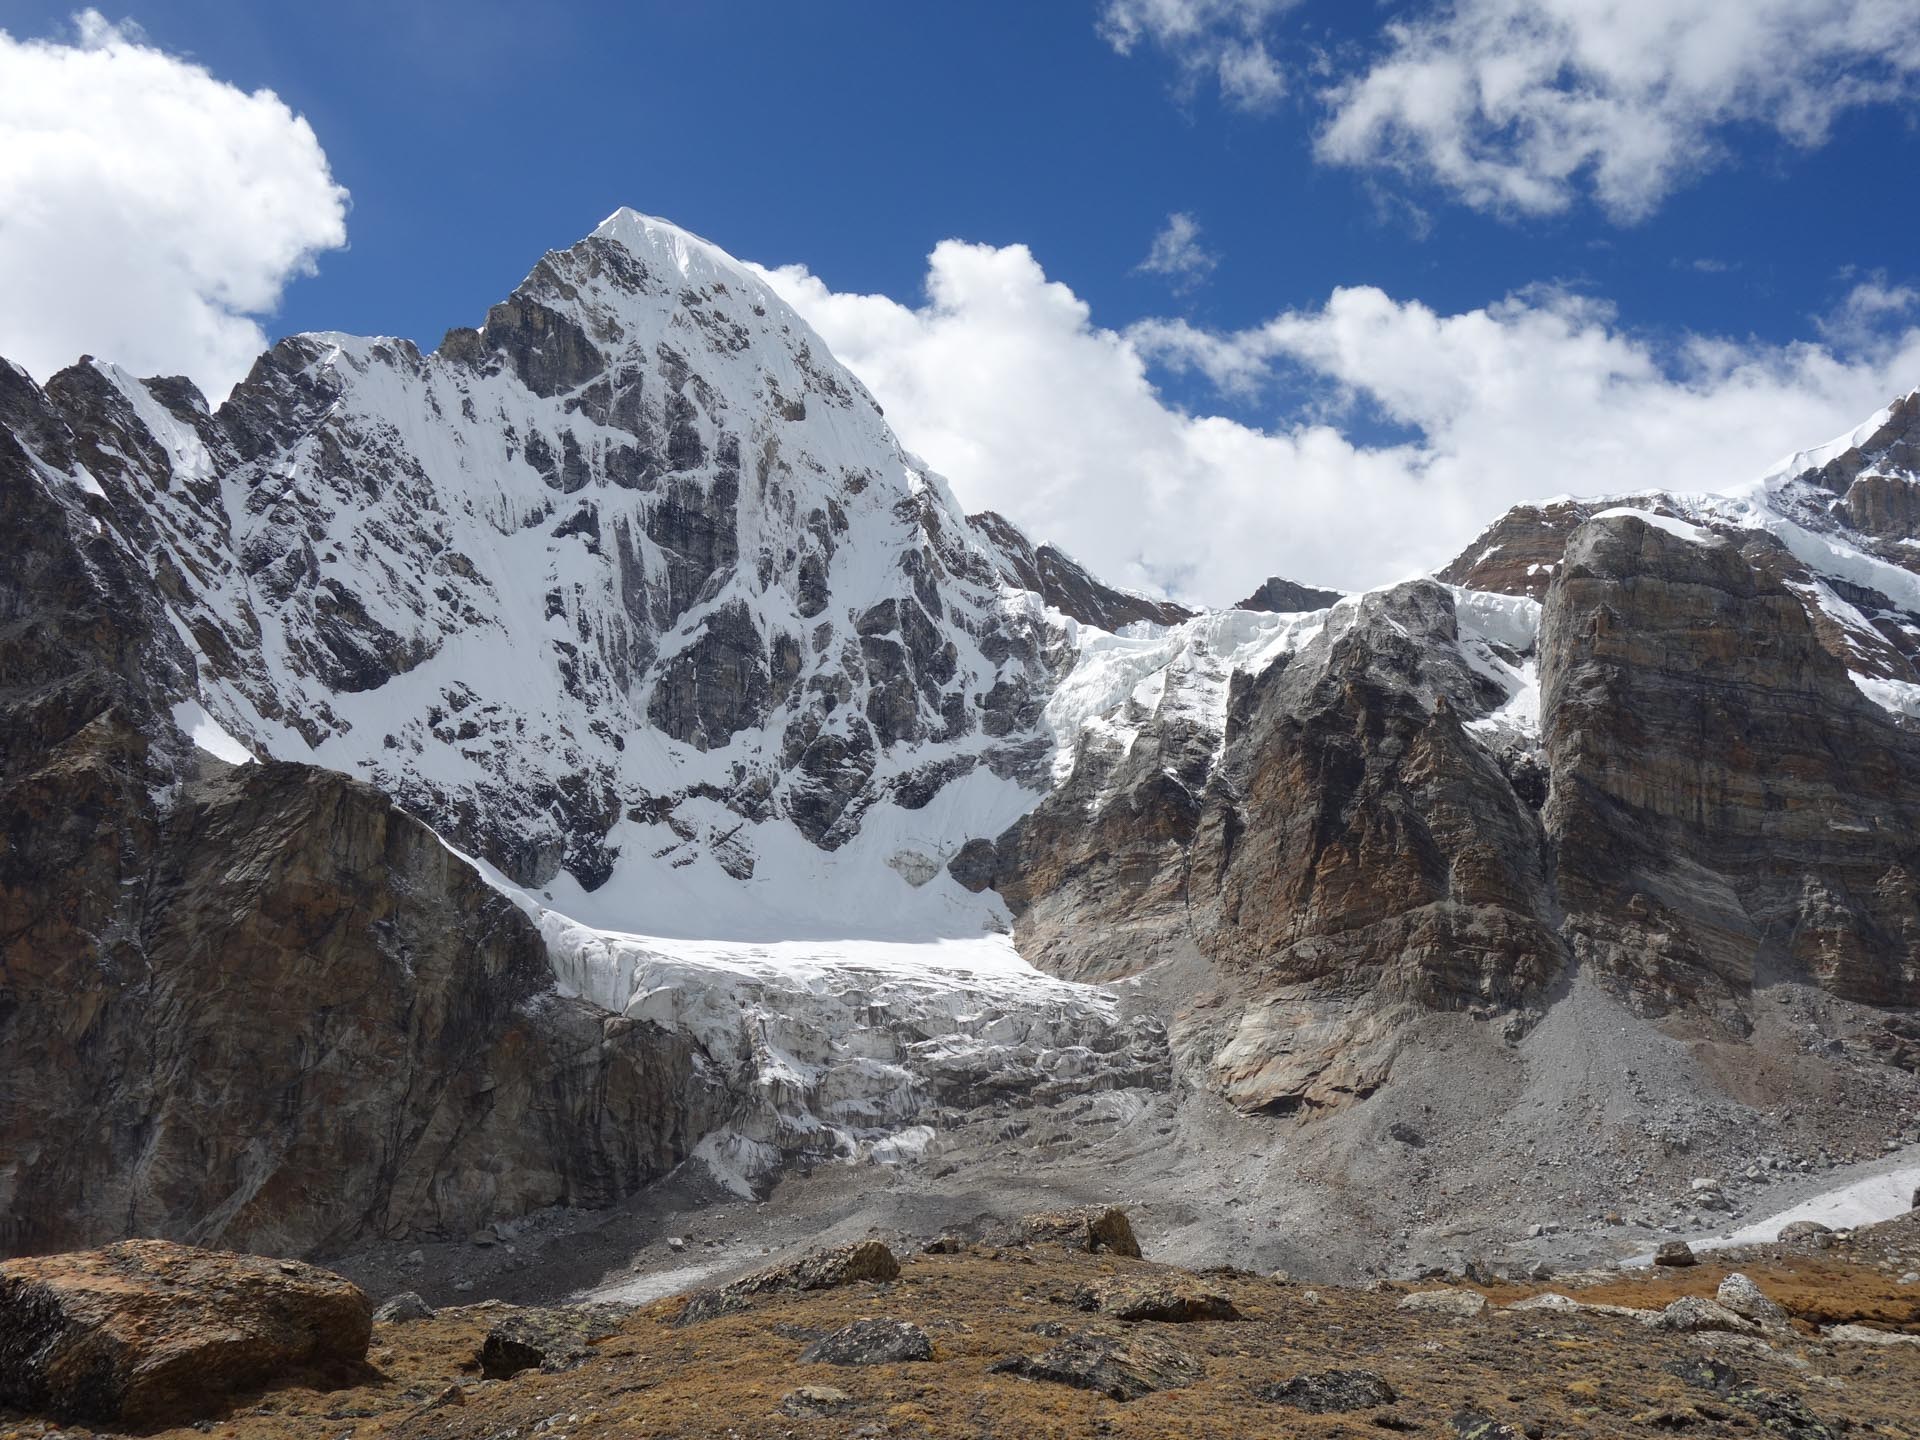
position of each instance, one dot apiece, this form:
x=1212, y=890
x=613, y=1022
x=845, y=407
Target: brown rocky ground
x=1502, y=1372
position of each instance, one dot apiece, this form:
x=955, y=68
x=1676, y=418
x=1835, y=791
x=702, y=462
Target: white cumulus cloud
x=1177, y=253
x=148, y=211
x=1221, y=40
x=1004, y=383
x=1520, y=105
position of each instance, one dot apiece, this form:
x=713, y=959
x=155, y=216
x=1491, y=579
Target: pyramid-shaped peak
x=671, y=246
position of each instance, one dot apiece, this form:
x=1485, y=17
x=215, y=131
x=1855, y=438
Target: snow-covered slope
x=631, y=591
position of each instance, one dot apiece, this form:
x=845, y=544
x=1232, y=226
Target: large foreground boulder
x=147, y=1332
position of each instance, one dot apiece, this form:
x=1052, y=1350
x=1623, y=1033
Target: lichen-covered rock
x=1171, y=1300
x=812, y=1400
x=1094, y=1228
x=147, y=1333
x=1330, y=1392
x=1775, y=1413
x=870, y=1342
x=1693, y=1312
x=398, y=1309
x=1747, y=1300
x=864, y=1261
x=546, y=1338
x=1120, y=1367
x=1461, y=1304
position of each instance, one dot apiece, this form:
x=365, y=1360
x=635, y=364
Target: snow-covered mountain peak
x=672, y=248
x=630, y=591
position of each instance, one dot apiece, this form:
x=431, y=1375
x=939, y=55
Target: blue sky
x=853, y=135
x=852, y=138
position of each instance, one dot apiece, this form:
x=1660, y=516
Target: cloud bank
x=1002, y=381
x=148, y=211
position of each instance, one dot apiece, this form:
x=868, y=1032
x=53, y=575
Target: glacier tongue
x=860, y=1051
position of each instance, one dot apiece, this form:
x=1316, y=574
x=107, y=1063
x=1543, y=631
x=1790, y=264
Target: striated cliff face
x=1445, y=800
x=1725, y=801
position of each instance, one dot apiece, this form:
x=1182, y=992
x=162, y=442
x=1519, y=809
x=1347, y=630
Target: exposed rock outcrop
x=1283, y=597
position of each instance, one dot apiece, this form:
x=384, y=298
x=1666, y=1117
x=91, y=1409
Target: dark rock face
x=1284, y=597
x=1519, y=553
x=1722, y=793
x=1066, y=585
x=147, y=1333
x=717, y=686
x=1709, y=792
x=333, y=1029
x=1351, y=838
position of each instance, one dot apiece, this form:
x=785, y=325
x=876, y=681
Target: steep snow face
x=631, y=591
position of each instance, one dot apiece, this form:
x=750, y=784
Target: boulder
x=407, y=1305
x=1691, y=1313
x=1774, y=1412
x=1329, y=1392
x=1171, y=1300
x=1121, y=1368
x=1806, y=1232
x=1550, y=1301
x=1471, y=1424
x=870, y=1342
x=1749, y=1301
x=1674, y=1253
x=1462, y=1303
x=1089, y=1227
x=810, y=1400
x=148, y=1333
x=546, y=1338
x=1867, y=1335
x=867, y=1260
